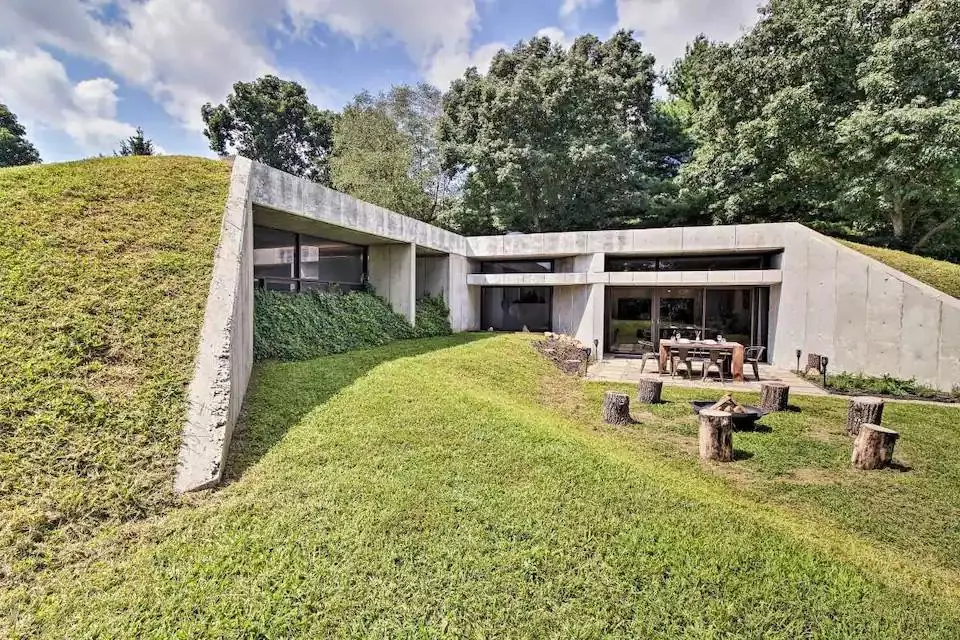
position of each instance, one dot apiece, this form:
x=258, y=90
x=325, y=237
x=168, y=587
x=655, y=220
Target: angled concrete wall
x=863, y=315
x=225, y=353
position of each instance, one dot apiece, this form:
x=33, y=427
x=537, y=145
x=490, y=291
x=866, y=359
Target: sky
x=83, y=74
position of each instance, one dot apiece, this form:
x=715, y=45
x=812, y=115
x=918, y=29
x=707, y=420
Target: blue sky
x=81, y=74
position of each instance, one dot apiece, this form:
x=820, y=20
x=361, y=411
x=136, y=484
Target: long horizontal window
x=517, y=266
x=721, y=262
x=287, y=261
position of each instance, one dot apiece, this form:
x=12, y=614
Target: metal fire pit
x=743, y=421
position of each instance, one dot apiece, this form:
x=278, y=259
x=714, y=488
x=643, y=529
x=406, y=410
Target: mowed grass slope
x=939, y=274
x=461, y=487
x=104, y=273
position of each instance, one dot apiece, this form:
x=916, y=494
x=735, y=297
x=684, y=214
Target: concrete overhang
x=745, y=277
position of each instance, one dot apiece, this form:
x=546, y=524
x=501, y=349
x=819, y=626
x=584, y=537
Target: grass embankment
x=461, y=487
x=939, y=274
x=105, y=271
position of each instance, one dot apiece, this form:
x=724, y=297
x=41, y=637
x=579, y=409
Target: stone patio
x=612, y=369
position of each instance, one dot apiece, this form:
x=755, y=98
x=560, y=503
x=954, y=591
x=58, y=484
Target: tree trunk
x=774, y=396
x=616, y=408
x=813, y=362
x=716, y=436
x=873, y=448
x=648, y=391
x=864, y=410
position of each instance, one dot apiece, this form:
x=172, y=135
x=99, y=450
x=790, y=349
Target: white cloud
x=569, y=7
x=36, y=87
x=666, y=26
x=558, y=35
x=448, y=65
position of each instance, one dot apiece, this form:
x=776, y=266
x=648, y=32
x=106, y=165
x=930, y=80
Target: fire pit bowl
x=742, y=421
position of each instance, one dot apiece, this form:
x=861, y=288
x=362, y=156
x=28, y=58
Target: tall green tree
x=136, y=145
x=829, y=112
x=552, y=138
x=372, y=159
x=15, y=149
x=272, y=121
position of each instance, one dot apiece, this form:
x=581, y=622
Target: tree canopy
x=136, y=145
x=558, y=139
x=272, y=121
x=836, y=113
x=15, y=149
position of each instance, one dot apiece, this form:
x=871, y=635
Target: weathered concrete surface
x=225, y=353
x=392, y=269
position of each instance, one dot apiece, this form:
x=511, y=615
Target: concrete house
x=781, y=286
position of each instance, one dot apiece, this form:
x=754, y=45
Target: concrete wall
x=225, y=353
x=392, y=269
x=862, y=314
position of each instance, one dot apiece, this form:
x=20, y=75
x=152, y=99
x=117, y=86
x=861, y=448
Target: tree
x=136, y=145
x=836, y=113
x=417, y=110
x=372, y=159
x=272, y=121
x=15, y=149
x=552, y=138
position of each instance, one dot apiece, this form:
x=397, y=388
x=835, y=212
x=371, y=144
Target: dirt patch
x=567, y=353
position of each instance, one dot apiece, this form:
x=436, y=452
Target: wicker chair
x=754, y=355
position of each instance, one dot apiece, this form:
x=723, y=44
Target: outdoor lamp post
x=596, y=350
x=823, y=369
x=798, y=361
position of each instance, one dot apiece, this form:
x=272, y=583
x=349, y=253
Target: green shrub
x=433, y=317
x=886, y=385
x=310, y=325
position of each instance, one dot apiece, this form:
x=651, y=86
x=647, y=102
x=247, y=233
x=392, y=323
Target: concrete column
x=392, y=269
x=464, y=301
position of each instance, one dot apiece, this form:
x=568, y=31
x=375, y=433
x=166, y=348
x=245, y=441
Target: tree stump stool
x=616, y=408
x=774, y=396
x=873, y=448
x=716, y=435
x=648, y=391
x=864, y=410
x=813, y=362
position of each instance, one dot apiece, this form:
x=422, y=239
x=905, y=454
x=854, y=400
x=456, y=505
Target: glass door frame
x=759, y=312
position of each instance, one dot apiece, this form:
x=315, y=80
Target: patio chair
x=648, y=352
x=684, y=356
x=716, y=359
x=754, y=355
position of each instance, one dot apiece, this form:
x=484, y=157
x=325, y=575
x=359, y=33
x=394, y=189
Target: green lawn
x=939, y=274
x=461, y=487
x=104, y=271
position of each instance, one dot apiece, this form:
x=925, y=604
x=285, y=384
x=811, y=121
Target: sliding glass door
x=638, y=314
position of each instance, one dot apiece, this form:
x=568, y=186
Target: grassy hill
x=462, y=487
x=939, y=274
x=104, y=273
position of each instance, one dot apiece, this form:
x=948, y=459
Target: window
x=517, y=266
x=513, y=308
x=287, y=261
x=722, y=262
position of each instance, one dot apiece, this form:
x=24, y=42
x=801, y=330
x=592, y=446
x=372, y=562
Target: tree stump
x=873, y=448
x=716, y=435
x=616, y=408
x=774, y=396
x=864, y=410
x=813, y=362
x=648, y=391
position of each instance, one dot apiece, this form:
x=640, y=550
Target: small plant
x=886, y=385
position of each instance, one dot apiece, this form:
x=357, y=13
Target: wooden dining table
x=735, y=349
